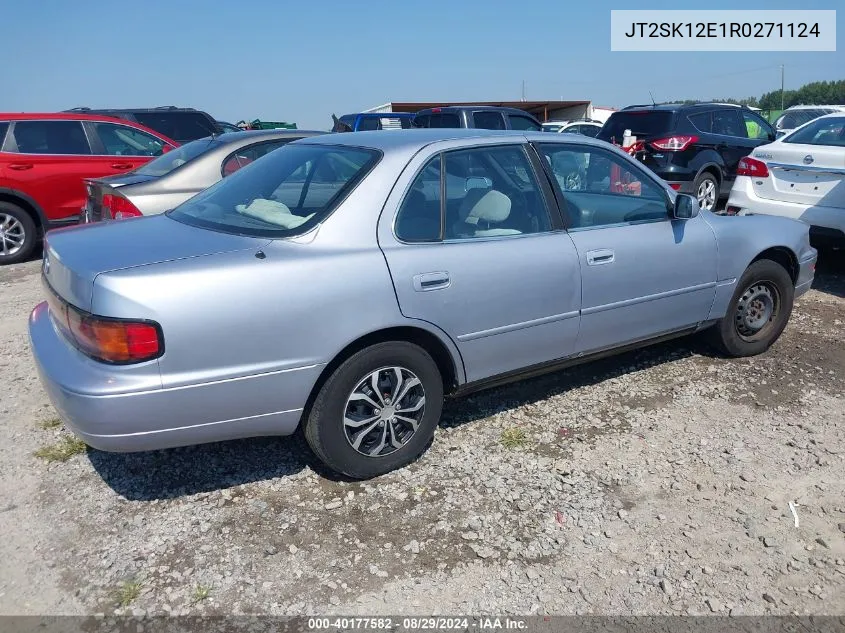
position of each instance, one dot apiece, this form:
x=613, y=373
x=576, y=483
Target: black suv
x=180, y=124
x=483, y=117
x=695, y=148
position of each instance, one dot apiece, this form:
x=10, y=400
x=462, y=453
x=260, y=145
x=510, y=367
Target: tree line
x=814, y=93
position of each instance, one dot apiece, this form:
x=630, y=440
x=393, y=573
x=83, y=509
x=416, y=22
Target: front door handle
x=431, y=281
x=121, y=165
x=600, y=256
x=20, y=166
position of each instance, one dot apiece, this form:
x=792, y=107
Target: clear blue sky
x=301, y=61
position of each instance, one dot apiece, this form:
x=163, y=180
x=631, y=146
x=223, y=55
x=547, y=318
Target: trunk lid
x=73, y=257
x=804, y=174
x=96, y=188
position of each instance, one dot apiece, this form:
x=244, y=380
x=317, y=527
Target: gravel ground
x=658, y=482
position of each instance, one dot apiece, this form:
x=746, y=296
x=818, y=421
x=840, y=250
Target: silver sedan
x=348, y=283
x=172, y=178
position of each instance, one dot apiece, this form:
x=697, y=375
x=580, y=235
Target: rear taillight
x=674, y=143
x=752, y=167
x=675, y=185
x=117, y=341
x=117, y=207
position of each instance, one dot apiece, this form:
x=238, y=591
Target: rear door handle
x=121, y=165
x=431, y=281
x=600, y=256
x=20, y=166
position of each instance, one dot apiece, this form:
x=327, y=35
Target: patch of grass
x=201, y=592
x=513, y=437
x=128, y=591
x=62, y=450
x=50, y=424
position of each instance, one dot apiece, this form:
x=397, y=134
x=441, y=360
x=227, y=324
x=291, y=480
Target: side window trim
x=634, y=167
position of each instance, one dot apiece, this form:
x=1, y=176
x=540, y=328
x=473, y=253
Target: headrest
x=486, y=205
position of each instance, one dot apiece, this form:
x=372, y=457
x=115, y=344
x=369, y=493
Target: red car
x=44, y=159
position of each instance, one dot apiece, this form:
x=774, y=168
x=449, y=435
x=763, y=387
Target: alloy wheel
x=383, y=411
x=707, y=194
x=12, y=235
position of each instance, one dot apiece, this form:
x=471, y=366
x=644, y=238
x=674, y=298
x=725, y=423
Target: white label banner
x=756, y=30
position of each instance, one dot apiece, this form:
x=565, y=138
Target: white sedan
x=801, y=176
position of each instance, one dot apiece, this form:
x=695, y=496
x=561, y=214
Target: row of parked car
x=85, y=165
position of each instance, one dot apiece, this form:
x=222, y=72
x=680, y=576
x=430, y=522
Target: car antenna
x=652, y=99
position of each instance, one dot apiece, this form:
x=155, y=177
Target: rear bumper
x=125, y=409
x=746, y=202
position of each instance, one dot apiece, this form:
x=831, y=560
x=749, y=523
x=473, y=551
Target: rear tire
x=706, y=188
x=18, y=234
x=377, y=411
x=758, y=312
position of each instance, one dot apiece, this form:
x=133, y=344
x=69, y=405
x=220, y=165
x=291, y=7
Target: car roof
x=73, y=116
x=673, y=107
x=380, y=115
x=250, y=136
x=157, y=109
x=417, y=138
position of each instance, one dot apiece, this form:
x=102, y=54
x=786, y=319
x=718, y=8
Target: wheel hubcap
x=12, y=234
x=756, y=309
x=707, y=194
x=384, y=410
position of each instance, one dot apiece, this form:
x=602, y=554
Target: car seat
x=480, y=209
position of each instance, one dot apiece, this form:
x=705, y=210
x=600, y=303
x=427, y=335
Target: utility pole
x=781, y=86
x=523, y=90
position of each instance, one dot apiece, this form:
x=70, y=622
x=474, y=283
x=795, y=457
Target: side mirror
x=686, y=207
x=478, y=182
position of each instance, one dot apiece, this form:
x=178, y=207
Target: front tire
x=18, y=234
x=377, y=411
x=758, y=312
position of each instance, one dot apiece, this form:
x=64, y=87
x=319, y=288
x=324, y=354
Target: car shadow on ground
x=173, y=473
x=830, y=272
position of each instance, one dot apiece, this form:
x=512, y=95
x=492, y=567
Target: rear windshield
x=180, y=126
x=830, y=131
x=166, y=163
x=797, y=118
x=642, y=123
x=286, y=193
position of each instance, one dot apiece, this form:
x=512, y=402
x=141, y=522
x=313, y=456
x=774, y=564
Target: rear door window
x=122, y=140
x=50, y=137
x=727, y=122
x=3, y=128
x=180, y=126
x=519, y=122
x=487, y=120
